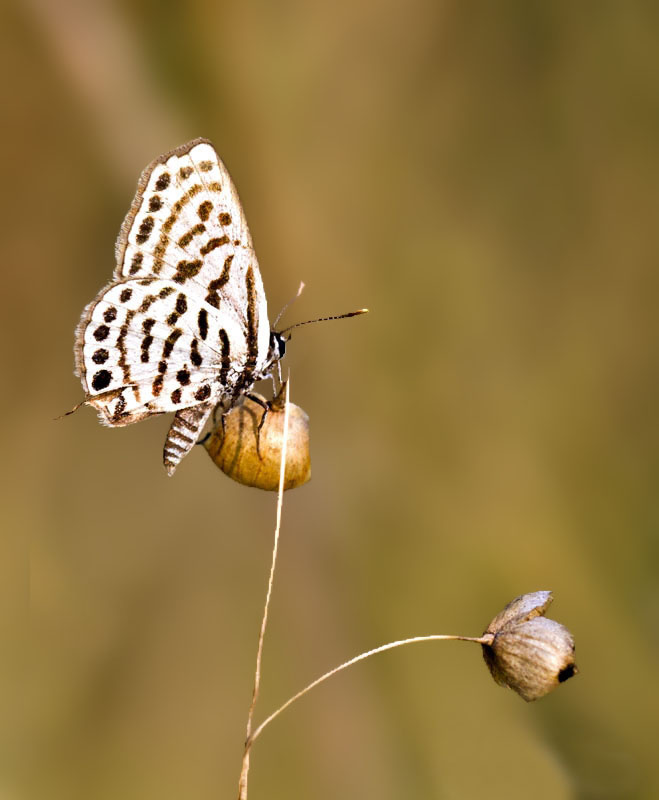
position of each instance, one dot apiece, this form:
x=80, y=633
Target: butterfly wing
x=148, y=347
x=186, y=224
x=184, y=323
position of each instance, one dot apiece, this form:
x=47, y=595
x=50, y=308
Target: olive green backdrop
x=484, y=177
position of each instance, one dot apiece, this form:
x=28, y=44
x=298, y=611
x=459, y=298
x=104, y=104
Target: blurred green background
x=484, y=177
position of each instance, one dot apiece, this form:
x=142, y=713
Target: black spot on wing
x=121, y=346
x=195, y=355
x=225, y=349
x=204, y=210
x=185, y=240
x=252, y=319
x=148, y=301
x=159, y=251
x=146, y=226
x=100, y=356
x=119, y=408
x=156, y=386
x=101, y=380
x=246, y=378
x=187, y=269
x=147, y=341
x=213, y=244
x=171, y=340
x=163, y=181
x=213, y=298
x=136, y=263
x=247, y=375
x=203, y=323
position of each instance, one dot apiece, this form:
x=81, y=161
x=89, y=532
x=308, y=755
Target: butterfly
x=183, y=325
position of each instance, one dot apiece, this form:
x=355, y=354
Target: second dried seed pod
x=528, y=652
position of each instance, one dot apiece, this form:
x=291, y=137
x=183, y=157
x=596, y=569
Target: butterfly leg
x=256, y=398
x=72, y=411
x=183, y=434
x=276, y=404
x=218, y=407
x=275, y=375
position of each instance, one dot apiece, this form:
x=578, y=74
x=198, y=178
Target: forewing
x=186, y=224
x=149, y=346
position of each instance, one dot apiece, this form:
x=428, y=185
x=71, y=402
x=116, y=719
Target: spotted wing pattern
x=184, y=324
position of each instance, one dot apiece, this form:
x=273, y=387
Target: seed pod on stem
x=246, y=445
x=526, y=651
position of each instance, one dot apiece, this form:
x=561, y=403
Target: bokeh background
x=484, y=177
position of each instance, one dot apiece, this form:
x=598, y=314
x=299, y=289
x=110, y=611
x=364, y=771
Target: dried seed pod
x=252, y=456
x=528, y=652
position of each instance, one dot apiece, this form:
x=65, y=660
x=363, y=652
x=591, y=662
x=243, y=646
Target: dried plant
x=522, y=648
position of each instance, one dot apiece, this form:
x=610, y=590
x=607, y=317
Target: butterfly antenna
x=289, y=303
x=326, y=319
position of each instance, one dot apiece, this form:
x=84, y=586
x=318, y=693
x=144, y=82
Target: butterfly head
x=277, y=346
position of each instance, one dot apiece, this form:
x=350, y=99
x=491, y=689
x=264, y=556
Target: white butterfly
x=183, y=326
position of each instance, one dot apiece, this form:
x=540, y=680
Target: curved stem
x=485, y=639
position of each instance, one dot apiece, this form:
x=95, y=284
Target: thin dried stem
x=242, y=784
x=485, y=639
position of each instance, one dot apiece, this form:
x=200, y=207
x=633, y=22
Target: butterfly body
x=183, y=326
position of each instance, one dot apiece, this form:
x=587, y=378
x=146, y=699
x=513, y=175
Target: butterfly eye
x=277, y=345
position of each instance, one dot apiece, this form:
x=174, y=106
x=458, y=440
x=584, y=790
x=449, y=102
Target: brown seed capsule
x=528, y=652
x=253, y=457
